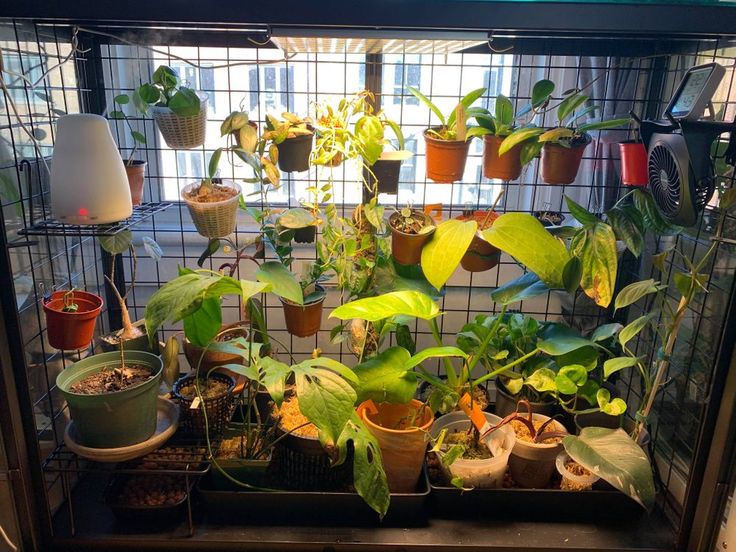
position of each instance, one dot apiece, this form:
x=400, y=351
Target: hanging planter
x=560, y=164
x=294, y=152
x=506, y=166
x=476, y=471
x=384, y=174
x=411, y=229
x=305, y=235
x=182, y=131
x=480, y=255
x=304, y=320
x=213, y=209
x=70, y=318
x=445, y=158
x=634, y=164
x=402, y=449
x=136, y=171
x=111, y=407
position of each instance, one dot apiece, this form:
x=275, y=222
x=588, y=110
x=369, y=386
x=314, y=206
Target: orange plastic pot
x=136, y=172
x=560, y=165
x=402, y=450
x=71, y=330
x=446, y=159
x=634, y=170
x=406, y=249
x=481, y=255
x=506, y=166
x=303, y=320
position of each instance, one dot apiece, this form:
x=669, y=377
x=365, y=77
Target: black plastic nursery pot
x=305, y=235
x=384, y=174
x=116, y=419
x=294, y=153
x=219, y=409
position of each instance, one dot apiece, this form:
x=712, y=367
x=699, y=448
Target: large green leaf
x=326, y=399
x=433, y=352
x=628, y=225
x=517, y=137
x=283, y=282
x=117, y=243
x=407, y=303
x=646, y=205
x=558, y=339
x=616, y=458
x=569, y=105
x=633, y=292
x=580, y=213
x=613, y=365
x=369, y=477
x=330, y=364
x=523, y=237
x=202, y=325
x=274, y=374
x=504, y=110
x=606, y=331
x=524, y=287
x=442, y=255
x=185, y=103
x=385, y=377
x=541, y=92
x=597, y=251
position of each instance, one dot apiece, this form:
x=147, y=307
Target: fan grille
x=665, y=180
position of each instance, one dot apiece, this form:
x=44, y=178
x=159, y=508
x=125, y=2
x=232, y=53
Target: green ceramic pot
x=117, y=419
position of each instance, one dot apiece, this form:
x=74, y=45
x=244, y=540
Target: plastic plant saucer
x=166, y=423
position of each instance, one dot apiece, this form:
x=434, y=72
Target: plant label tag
x=195, y=404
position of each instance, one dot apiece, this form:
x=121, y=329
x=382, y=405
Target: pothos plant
x=289, y=126
x=165, y=90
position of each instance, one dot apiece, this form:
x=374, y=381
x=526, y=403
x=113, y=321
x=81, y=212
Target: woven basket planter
x=182, y=132
x=216, y=219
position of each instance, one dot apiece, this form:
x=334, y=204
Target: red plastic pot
x=71, y=330
x=634, y=171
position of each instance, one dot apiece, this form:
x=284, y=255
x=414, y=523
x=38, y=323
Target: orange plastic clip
x=475, y=414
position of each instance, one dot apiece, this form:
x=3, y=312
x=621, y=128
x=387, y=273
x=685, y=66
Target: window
x=405, y=75
x=270, y=89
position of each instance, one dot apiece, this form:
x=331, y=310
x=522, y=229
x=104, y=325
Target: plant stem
x=449, y=369
x=502, y=369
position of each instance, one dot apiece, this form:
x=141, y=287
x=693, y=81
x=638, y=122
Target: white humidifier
x=88, y=180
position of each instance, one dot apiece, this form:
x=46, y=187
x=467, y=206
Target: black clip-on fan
x=680, y=165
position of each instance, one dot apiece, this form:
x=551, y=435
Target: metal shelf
x=51, y=227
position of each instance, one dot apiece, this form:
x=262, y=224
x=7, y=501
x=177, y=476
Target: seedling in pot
x=118, y=113
x=69, y=304
x=409, y=222
x=537, y=432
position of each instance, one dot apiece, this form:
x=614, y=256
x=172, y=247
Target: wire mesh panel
x=262, y=80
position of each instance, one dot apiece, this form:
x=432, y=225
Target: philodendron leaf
x=433, y=352
x=273, y=377
x=606, y=331
x=646, y=205
x=326, y=399
x=613, y=365
x=614, y=456
x=572, y=274
x=385, y=377
x=559, y=340
x=369, y=477
x=632, y=329
x=541, y=380
x=580, y=213
x=628, y=225
x=596, y=249
x=202, y=325
x=523, y=237
x=117, y=243
x=525, y=287
x=283, y=282
x=443, y=253
x=633, y=292
x=371, y=309
x=615, y=407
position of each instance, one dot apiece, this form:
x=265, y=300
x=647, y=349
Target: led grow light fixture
x=88, y=180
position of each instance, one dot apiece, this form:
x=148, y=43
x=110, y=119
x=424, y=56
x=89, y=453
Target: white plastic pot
x=532, y=464
x=570, y=481
x=482, y=473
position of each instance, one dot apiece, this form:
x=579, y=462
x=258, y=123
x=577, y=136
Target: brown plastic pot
x=303, y=320
x=213, y=359
x=402, y=450
x=634, y=165
x=71, y=330
x=506, y=166
x=532, y=464
x=406, y=249
x=560, y=165
x=136, y=172
x=445, y=158
x=294, y=153
x=481, y=255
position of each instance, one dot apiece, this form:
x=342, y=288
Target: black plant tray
x=533, y=504
x=311, y=507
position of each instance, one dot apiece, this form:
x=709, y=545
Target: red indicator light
x=83, y=211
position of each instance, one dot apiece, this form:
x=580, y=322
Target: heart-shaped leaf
x=407, y=303
x=442, y=255
x=283, y=282
x=385, y=377
x=524, y=287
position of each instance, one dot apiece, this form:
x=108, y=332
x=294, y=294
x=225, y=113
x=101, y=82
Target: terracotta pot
x=406, y=249
x=506, y=166
x=303, y=320
x=560, y=165
x=481, y=255
x=213, y=359
x=71, y=330
x=506, y=403
x=446, y=159
x=136, y=172
x=532, y=464
x=634, y=164
x=294, y=153
x=402, y=450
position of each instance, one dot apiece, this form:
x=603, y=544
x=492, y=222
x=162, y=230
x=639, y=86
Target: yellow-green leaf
x=597, y=251
x=441, y=256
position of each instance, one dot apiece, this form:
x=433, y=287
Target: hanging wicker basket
x=182, y=132
x=216, y=219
